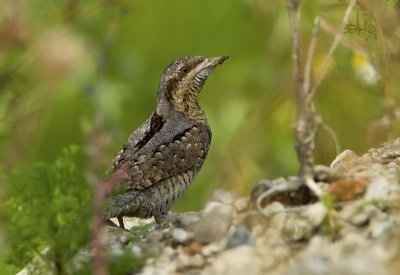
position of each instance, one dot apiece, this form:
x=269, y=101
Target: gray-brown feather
x=155, y=201
x=168, y=153
x=163, y=156
x=161, y=170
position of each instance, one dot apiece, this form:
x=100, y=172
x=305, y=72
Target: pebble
x=155, y=236
x=227, y=237
x=224, y=196
x=215, y=222
x=239, y=236
x=359, y=213
x=184, y=261
x=181, y=236
x=378, y=188
x=297, y=228
x=241, y=204
x=384, y=228
x=240, y=260
x=189, y=219
x=315, y=213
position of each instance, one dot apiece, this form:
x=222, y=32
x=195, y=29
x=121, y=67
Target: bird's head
x=182, y=81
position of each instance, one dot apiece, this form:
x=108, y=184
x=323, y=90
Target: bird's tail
x=125, y=204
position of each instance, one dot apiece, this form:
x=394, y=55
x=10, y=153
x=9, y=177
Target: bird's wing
x=164, y=155
x=138, y=139
x=186, y=151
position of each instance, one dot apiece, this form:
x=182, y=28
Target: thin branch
x=102, y=190
x=307, y=121
x=334, y=45
x=293, y=9
x=310, y=55
x=334, y=136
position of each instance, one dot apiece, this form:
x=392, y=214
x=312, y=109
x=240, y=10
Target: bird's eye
x=185, y=69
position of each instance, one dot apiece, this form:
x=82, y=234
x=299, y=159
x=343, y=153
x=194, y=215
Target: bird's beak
x=208, y=65
x=203, y=70
x=213, y=62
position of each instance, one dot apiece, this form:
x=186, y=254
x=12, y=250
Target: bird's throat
x=188, y=105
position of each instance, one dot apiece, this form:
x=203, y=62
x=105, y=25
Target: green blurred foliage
x=47, y=206
x=87, y=72
x=72, y=68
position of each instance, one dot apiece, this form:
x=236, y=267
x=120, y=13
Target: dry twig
x=102, y=190
x=307, y=120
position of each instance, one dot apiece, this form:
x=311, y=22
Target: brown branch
x=307, y=122
x=95, y=148
x=102, y=189
x=293, y=9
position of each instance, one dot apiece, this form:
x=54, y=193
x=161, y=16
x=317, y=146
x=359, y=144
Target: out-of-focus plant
x=47, y=205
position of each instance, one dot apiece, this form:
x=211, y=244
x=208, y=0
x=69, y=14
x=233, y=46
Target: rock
x=115, y=234
x=385, y=228
x=384, y=153
x=194, y=247
x=350, y=255
x=240, y=260
x=215, y=222
x=239, y=236
x=241, y=204
x=214, y=207
x=155, y=270
x=378, y=188
x=315, y=213
x=348, y=189
x=358, y=213
x=273, y=208
x=212, y=248
x=297, y=228
x=254, y=219
x=188, y=220
x=181, y=236
x=224, y=196
x=185, y=261
x=155, y=236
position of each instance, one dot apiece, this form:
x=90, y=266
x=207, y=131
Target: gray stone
x=315, y=213
x=155, y=236
x=224, y=196
x=240, y=260
x=297, y=228
x=181, y=236
x=212, y=249
x=359, y=213
x=239, y=236
x=384, y=228
x=185, y=261
x=378, y=188
x=215, y=222
x=189, y=219
x=241, y=204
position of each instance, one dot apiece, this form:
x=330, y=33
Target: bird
x=164, y=155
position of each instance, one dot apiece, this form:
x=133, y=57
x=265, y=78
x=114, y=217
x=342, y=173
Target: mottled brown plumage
x=167, y=151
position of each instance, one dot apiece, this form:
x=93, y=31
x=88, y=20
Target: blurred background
x=87, y=72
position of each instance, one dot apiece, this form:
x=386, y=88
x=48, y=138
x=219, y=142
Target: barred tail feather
x=125, y=204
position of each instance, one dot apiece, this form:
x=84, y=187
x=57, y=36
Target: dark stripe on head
x=179, y=70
